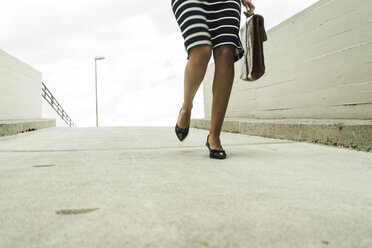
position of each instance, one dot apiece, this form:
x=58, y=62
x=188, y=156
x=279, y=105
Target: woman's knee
x=224, y=54
x=200, y=55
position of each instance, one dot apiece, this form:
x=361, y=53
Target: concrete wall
x=20, y=89
x=319, y=65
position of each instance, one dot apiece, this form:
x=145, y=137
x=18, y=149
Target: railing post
x=48, y=96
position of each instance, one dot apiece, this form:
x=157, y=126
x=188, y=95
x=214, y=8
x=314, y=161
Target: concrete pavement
x=141, y=187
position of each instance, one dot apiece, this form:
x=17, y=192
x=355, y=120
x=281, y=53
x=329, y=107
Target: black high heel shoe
x=218, y=154
x=181, y=132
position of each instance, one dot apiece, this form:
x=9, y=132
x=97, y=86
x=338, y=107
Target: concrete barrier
x=20, y=97
x=354, y=134
x=11, y=127
x=318, y=67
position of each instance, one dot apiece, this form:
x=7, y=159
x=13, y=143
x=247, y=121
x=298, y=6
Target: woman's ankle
x=215, y=135
x=187, y=107
x=215, y=141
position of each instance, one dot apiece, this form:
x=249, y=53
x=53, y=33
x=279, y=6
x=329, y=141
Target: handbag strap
x=248, y=14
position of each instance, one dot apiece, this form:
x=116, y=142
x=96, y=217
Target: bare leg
x=196, y=67
x=222, y=85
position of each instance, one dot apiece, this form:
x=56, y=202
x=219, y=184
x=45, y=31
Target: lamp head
x=99, y=58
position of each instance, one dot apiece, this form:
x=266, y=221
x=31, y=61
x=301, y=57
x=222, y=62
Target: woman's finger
x=248, y=5
x=251, y=6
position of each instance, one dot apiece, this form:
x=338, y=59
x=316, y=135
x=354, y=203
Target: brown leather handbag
x=253, y=35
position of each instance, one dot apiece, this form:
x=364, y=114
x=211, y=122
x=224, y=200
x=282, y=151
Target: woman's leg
x=196, y=67
x=222, y=85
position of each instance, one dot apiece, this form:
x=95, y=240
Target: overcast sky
x=141, y=80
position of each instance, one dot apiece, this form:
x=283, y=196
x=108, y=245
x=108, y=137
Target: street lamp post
x=95, y=66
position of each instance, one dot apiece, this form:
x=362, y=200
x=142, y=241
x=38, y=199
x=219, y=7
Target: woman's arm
x=249, y=5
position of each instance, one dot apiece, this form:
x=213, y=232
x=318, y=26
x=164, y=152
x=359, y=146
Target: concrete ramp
x=141, y=187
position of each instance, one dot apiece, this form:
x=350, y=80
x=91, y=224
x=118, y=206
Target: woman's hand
x=249, y=5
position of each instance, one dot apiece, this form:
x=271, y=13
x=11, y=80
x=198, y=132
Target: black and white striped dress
x=209, y=22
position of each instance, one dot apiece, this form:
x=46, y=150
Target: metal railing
x=48, y=96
